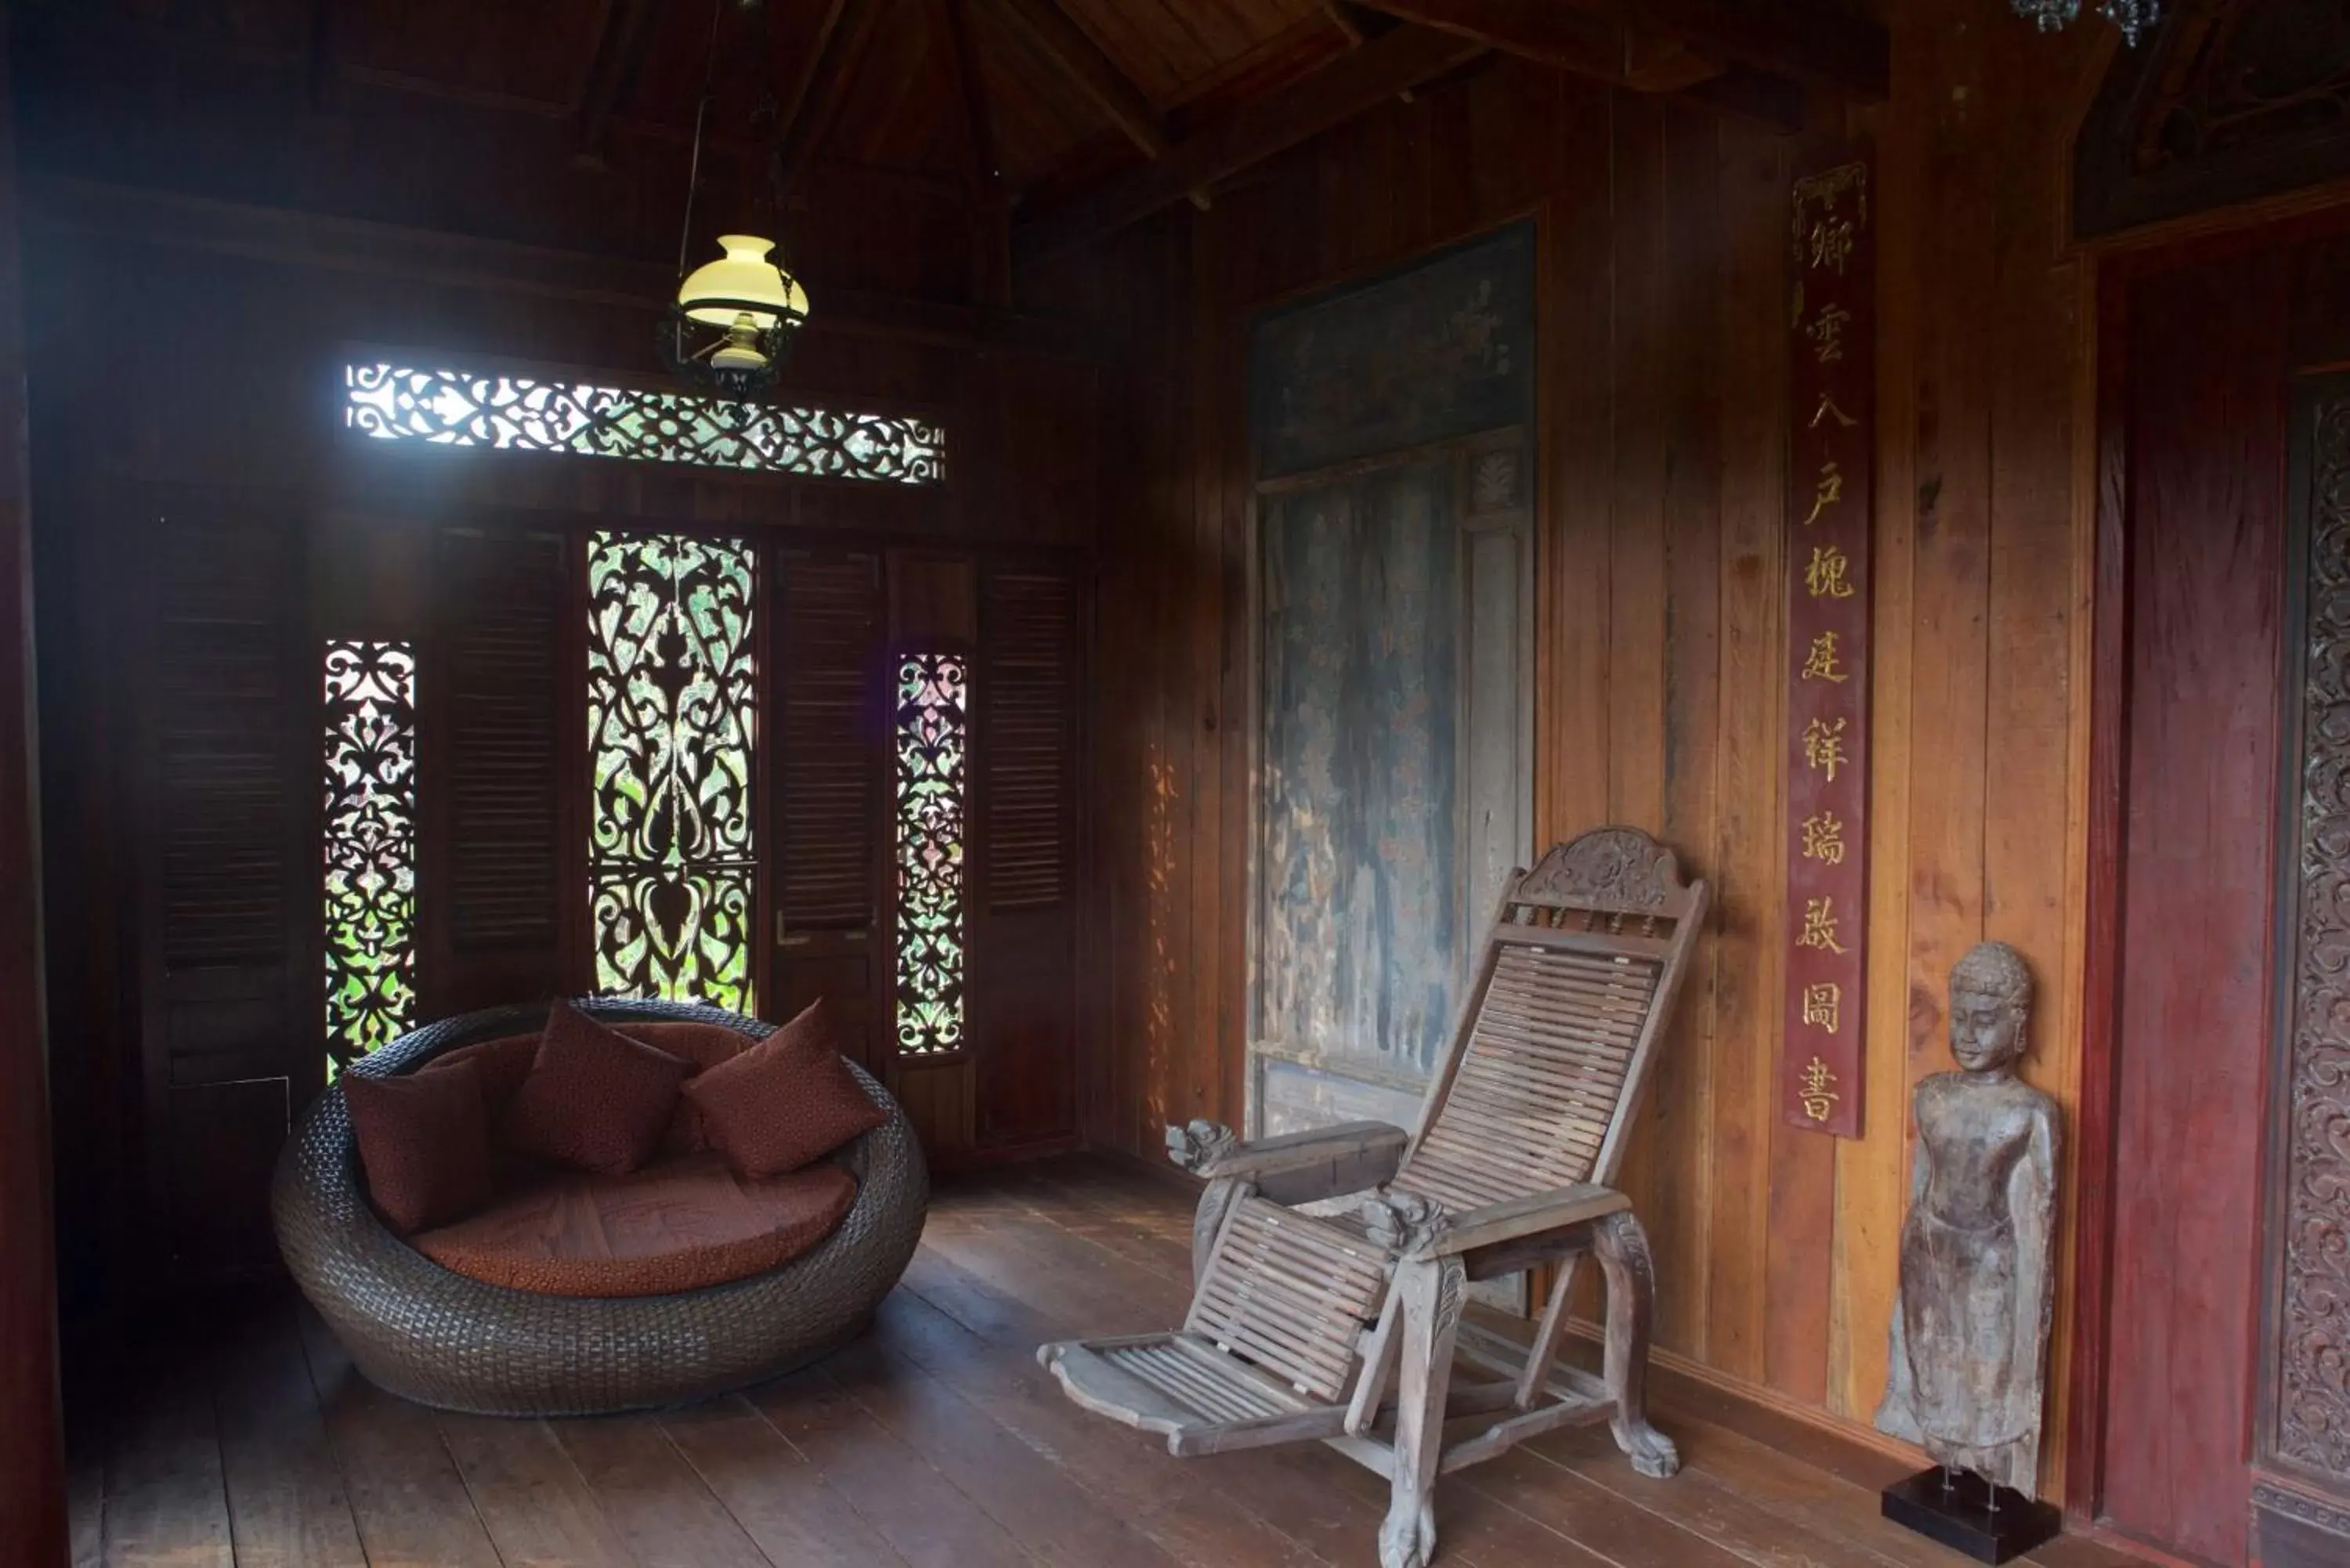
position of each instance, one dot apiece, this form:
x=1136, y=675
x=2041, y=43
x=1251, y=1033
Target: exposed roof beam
x=1347, y=20
x=1769, y=100
x=1801, y=39
x=787, y=113
x=1352, y=84
x=281, y=236
x=990, y=208
x=619, y=50
x=1790, y=38
x=823, y=88
x=1071, y=50
x=971, y=86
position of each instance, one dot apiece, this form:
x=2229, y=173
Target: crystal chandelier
x=2135, y=18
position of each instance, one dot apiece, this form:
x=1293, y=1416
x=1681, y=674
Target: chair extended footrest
x=1202, y=1399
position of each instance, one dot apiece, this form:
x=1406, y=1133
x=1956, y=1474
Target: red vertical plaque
x=1831, y=411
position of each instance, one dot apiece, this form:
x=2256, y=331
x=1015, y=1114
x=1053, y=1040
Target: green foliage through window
x=932, y=705
x=672, y=687
x=370, y=846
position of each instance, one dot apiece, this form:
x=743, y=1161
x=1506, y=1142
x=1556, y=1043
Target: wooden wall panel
x=32, y=1456
x=1659, y=629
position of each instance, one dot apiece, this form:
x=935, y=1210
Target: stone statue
x=1970, y=1354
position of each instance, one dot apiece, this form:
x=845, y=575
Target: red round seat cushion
x=679, y=1224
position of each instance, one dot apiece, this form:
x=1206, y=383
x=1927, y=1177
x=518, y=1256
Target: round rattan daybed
x=445, y=1340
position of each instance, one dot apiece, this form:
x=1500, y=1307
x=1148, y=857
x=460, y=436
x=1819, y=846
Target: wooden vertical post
x=1431, y=1291
x=32, y=1455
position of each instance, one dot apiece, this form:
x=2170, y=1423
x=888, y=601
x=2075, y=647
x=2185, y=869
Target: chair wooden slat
x=1291, y=1294
x=1541, y=1080
x=1190, y=1382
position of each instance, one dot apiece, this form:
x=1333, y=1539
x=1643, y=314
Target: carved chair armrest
x=1471, y=1230
x=1211, y=1151
x=1291, y=1170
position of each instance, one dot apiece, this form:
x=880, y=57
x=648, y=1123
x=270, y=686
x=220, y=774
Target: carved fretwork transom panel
x=443, y=407
x=2233, y=100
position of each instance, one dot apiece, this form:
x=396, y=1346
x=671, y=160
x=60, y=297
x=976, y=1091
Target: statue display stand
x=1967, y=1373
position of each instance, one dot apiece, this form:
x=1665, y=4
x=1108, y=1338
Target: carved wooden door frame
x=2300, y=1431
x=1486, y=507
x=2307, y=368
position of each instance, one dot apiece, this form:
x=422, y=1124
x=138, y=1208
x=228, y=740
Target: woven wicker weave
x=444, y=1340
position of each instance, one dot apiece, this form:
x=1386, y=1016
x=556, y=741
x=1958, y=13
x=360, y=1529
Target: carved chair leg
x=1432, y=1294
x=1623, y=1250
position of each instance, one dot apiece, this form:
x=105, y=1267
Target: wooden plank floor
x=245, y=1438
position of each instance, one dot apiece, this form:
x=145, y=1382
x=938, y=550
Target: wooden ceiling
x=1033, y=125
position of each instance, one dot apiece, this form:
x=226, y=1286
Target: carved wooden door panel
x=1393, y=594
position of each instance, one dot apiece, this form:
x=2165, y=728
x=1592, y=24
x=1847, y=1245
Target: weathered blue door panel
x=1361, y=922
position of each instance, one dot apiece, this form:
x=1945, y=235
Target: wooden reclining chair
x=1302, y=1324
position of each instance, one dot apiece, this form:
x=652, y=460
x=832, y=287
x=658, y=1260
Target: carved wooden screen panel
x=229, y=755
x=932, y=835
x=2303, y=1496
x=501, y=699
x=1024, y=915
x=832, y=725
x=369, y=843
x=1394, y=701
x=672, y=694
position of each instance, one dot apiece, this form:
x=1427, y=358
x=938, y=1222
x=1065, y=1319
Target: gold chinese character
x=1827, y=407
x=1827, y=493
x=1824, y=838
x=1822, y=233
x=1824, y=1005
x=1827, y=332
x=1830, y=243
x=1821, y=663
x=1823, y=747
x=1820, y=926
x=1825, y=577
x=1819, y=1096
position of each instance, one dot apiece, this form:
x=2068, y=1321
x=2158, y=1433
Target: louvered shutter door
x=232, y=1003
x=499, y=739
x=1028, y=691
x=832, y=802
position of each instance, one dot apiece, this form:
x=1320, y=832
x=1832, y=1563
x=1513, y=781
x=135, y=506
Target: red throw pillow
x=424, y=1141
x=595, y=1099
x=786, y=1101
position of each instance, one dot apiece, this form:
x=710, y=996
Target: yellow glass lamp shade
x=742, y=283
